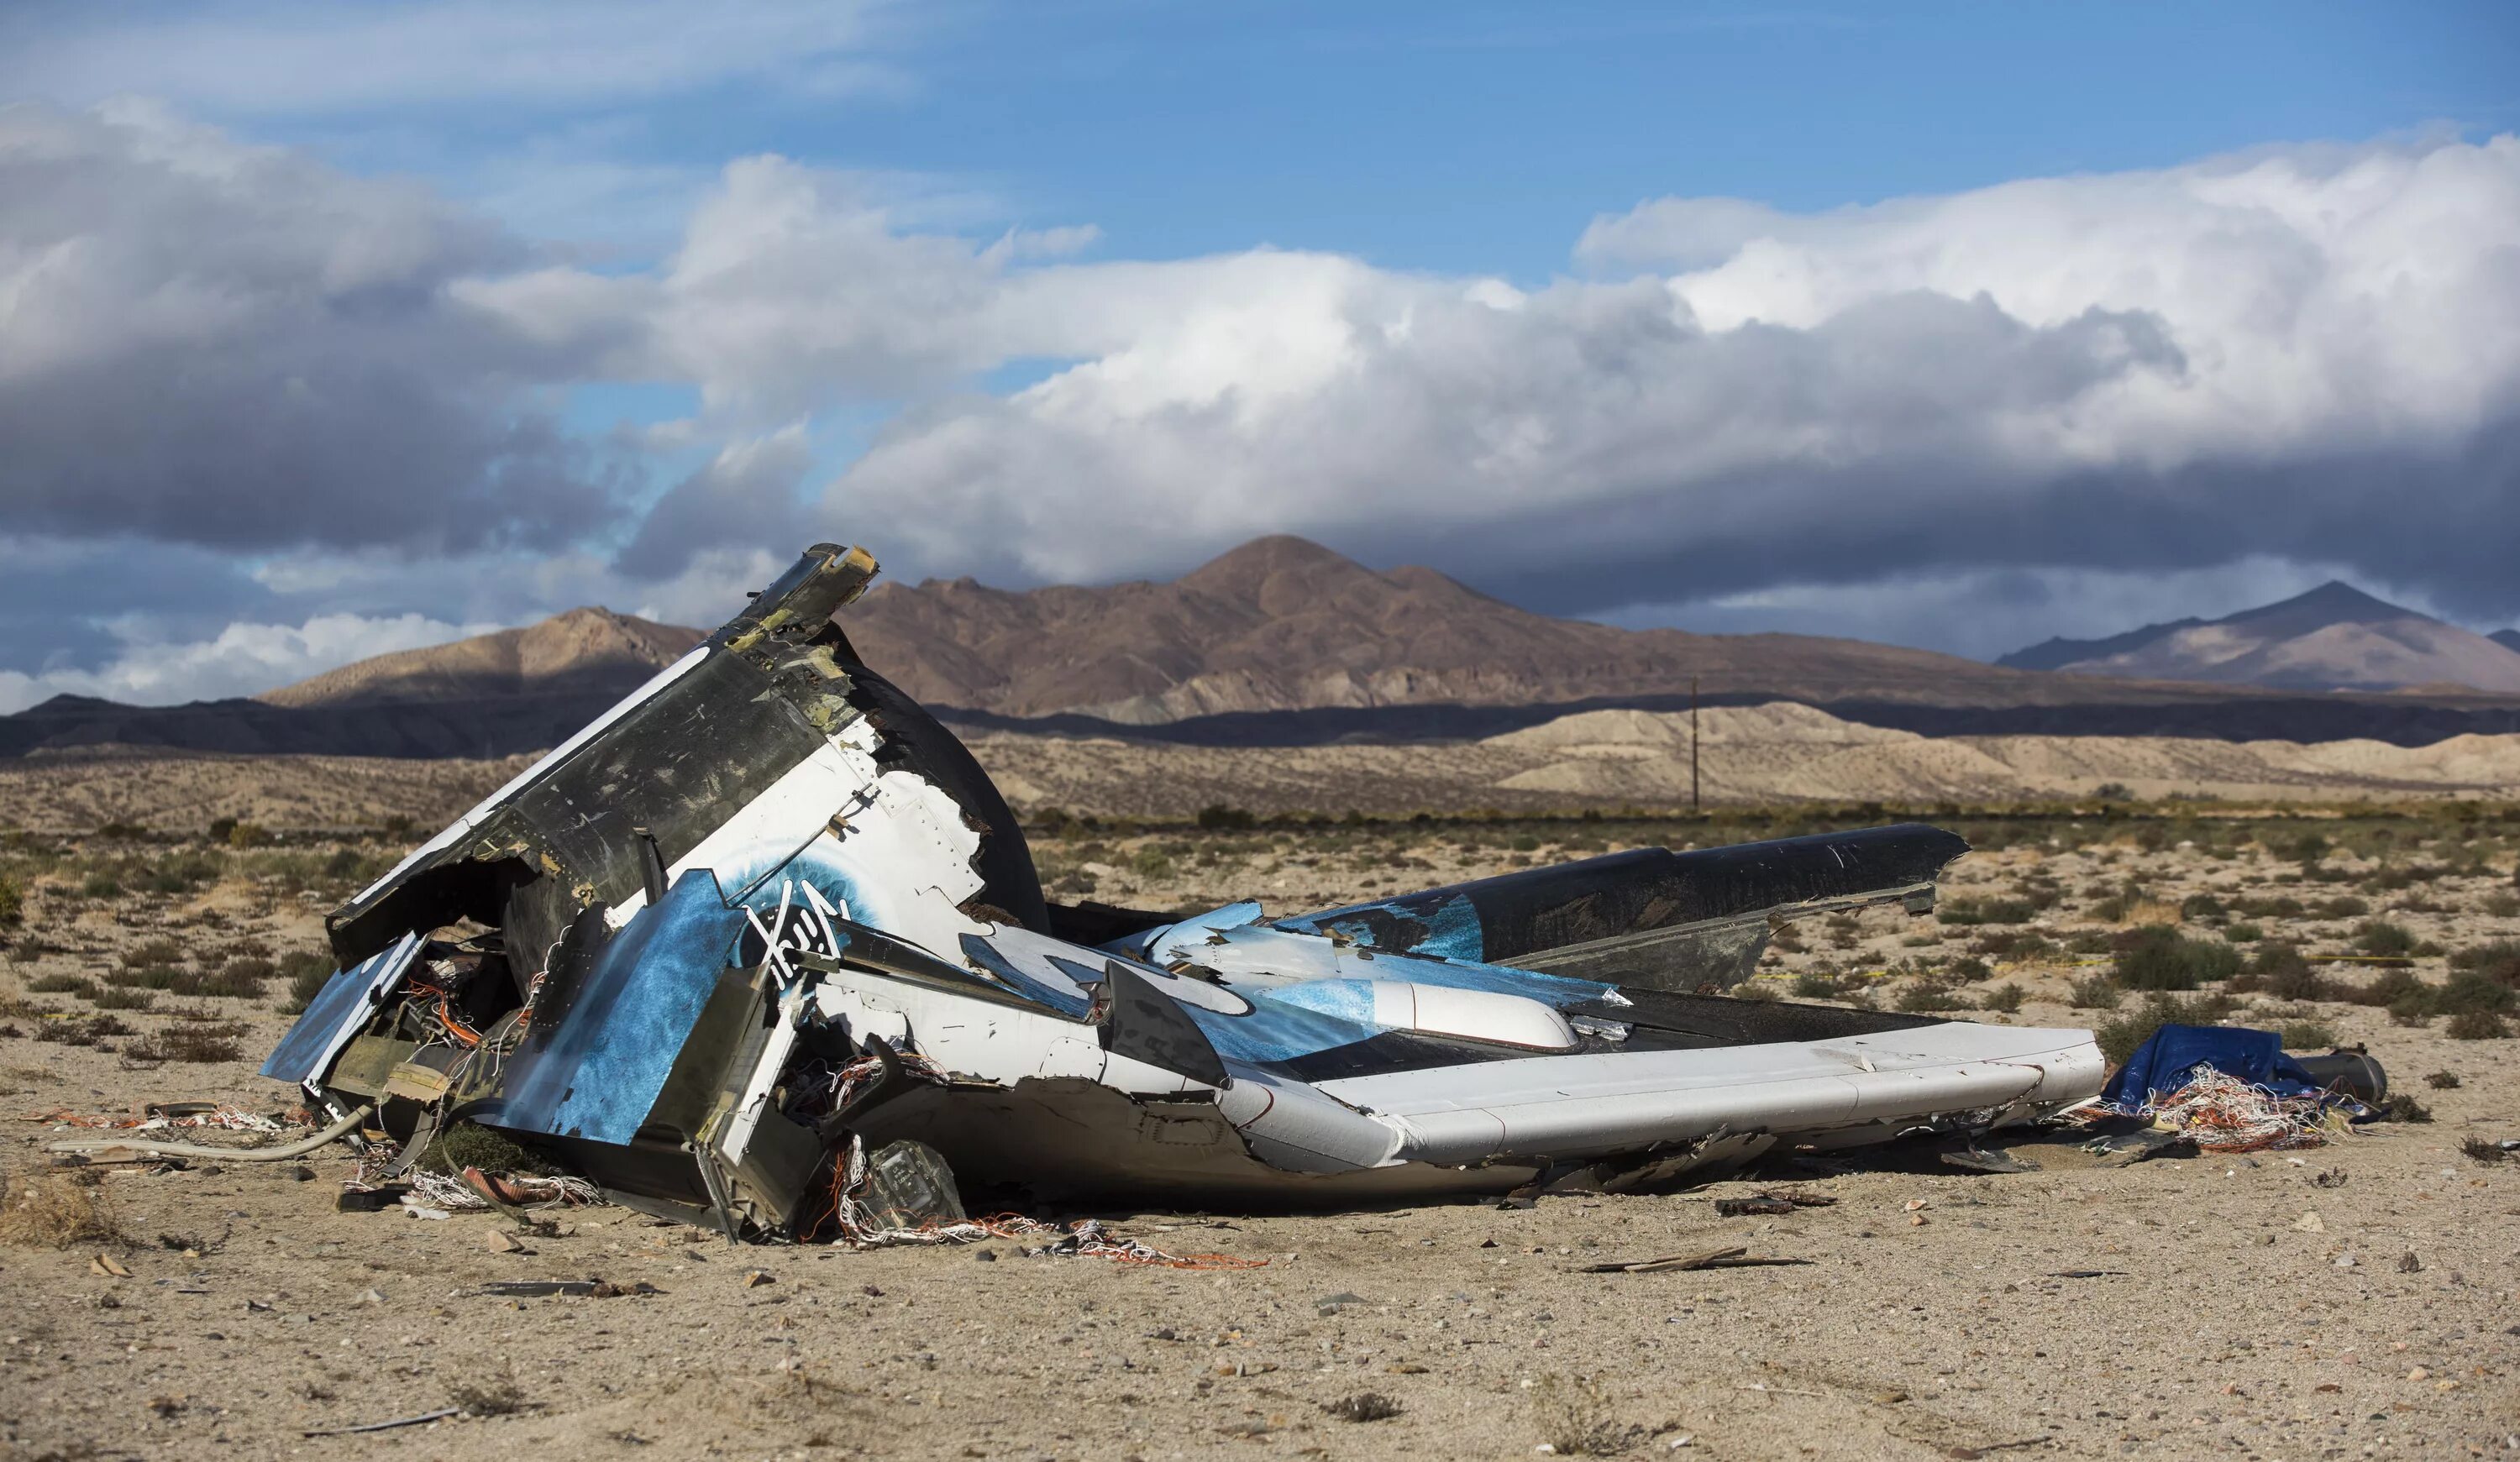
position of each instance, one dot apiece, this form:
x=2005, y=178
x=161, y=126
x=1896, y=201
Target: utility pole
x=1694, y=804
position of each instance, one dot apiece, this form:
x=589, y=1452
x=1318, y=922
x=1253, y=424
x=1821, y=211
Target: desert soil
x=1928, y=1315
x=1748, y=756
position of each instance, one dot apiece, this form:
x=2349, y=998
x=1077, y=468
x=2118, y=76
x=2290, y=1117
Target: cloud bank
x=2298, y=356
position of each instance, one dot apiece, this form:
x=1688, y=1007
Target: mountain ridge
x=1280, y=642
x=2332, y=638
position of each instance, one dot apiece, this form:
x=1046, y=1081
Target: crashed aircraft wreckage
x=766, y=916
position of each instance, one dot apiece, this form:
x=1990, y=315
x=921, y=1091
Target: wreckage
x=767, y=915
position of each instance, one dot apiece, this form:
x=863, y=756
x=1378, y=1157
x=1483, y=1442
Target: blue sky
x=820, y=267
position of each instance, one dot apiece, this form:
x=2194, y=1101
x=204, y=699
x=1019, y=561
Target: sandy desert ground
x=1748, y=756
x=1931, y=1313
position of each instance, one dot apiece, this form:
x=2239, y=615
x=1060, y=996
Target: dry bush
x=1575, y=1417
x=56, y=1208
x=193, y=1043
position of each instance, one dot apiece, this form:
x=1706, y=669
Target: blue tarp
x=2162, y=1063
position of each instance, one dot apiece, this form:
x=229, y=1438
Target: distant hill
x=583, y=651
x=2334, y=638
x=1281, y=625
x=1280, y=642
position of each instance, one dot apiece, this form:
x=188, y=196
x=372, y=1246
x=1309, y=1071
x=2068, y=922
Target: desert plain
x=2351, y=1299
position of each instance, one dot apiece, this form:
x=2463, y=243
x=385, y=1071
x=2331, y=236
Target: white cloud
x=242, y=659
x=203, y=341
x=2302, y=355
x=2167, y=368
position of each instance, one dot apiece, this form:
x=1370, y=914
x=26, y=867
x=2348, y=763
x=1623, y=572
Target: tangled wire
x=223, y=1119
x=860, y=1229
x=2224, y=1114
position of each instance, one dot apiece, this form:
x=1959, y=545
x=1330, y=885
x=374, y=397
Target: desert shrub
x=1815, y=984
x=153, y=952
x=1365, y=1405
x=2093, y=992
x=1151, y=862
x=2243, y=933
x=250, y=835
x=1968, y=971
x=238, y=979
x=2120, y=1035
x=196, y=1043
x=2307, y=1035
x=2382, y=938
x=2157, y=957
x=2005, y=997
x=1574, y=1417
x=2386, y=988
x=2443, y=1080
x=1218, y=816
x=306, y=972
x=2476, y=1025
x=2277, y=969
x=13, y=903
x=56, y=1208
x=2474, y=990
x=2498, y=956
x=468, y=1144
x=1923, y=999
x=2502, y=904
x=2201, y=908
x=2113, y=791
x=2013, y=944
x=2346, y=907
x=78, y=984
x=1986, y=911
x=118, y=998
x=101, y=885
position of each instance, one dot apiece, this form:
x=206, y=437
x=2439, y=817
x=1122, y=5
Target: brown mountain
x=1280, y=642
x=1280, y=623
x=2334, y=638
x=582, y=652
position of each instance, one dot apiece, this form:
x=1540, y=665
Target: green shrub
x=2093, y=992
x=78, y=984
x=2201, y=908
x=2120, y=1035
x=118, y=998
x=307, y=973
x=2387, y=989
x=2382, y=938
x=1968, y=971
x=1986, y=911
x=2476, y=1025
x=2345, y=908
x=1924, y=999
x=2474, y=990
x=2242, y=934
x=2007, y=997
x=13, y=903
x=2307, y=1035
x=2157, y=957
x=1815, y=984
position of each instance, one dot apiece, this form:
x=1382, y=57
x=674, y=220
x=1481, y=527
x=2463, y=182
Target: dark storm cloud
x=222, y=345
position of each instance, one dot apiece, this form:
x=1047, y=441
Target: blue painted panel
x=596, y=1072
x=1275, y=1030
x=338, y=1011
